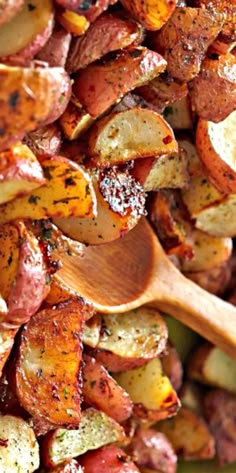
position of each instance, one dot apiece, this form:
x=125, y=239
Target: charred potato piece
x=213, y=91
x=115, y=77
x=8, y=9
x=119, y=208
x=151, y=14
x=19, y=450
x=95, y=430
x=45, y=141
x=114, y=32
x=100, y=390
x=68, y=191
x=28, y=97
x=20, y=172
x=56, y=49
x=47, y=373
x=153, y=450
x=109, y=459
x=153, y=396
x=209, y=365
x=26, y=33
x=185, y=38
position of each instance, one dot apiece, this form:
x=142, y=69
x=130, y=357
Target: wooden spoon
x=133, y=271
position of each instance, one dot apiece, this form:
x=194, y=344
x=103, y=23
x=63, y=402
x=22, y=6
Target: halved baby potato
x=115, y=77
x=134, y=133
x=68, y=191
x=108, y=459
x=151, y=14
x=216, y=145
x=75, y=121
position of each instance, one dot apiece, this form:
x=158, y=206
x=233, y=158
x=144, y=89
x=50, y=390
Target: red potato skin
x=55, y=51
x=115, y=78
x=114, y=32
x=44, y=142
x=62, y=99
x=13, y=166
x=115, y=363
x=108, y=459
x=8, y=9
x=153, y=450
x=69, y=467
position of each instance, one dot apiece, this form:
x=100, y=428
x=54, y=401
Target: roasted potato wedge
x=218, y=408
x=131, y=339
x=153, y=450
x=216, y=143
x=115, y=77
x=167, y=171
x=56, y=49
x=24, y=274
x=26, y=33
x=172, y=366
x=47, y=375
x=45, y=141
x=151, y=391
x=185, y=38
x=68, y=191
x=189, y=435
x=20, y=172
x=100, y=390
x=114, y=31
x=211, y=366
x=213, y=91
x=95, y=430
x=120, y=204
x=75, y=121
x=179, y=114
x=110, y=459
x=8, y=9
x=28, y=96
x=135, y=133
x=19, y=450
x=151, y=14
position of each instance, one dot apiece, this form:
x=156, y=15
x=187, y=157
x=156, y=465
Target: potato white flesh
x=131, y=134
x=193, y=160
x=216, y=145
x=67, y=191
x=179, y=114
x=20, y=172
x=19, y=450
x=120, y=204
x=25, y=26
x=91, y=331
x=95, y=430
x=151, y=391
x=211, y=366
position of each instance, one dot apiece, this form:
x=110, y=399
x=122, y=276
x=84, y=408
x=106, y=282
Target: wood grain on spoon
x=133, y=271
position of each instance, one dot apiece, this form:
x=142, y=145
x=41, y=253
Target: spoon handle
x=203, y=312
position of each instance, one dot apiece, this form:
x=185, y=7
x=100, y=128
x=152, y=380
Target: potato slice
x=115, y=77
x=151, y=14
x=109, y=32
x=185, y=38
x=73, y=22
x=20, y=172
x=135, y=133
x=211, y=366
x=100, y=390
x=189, y=435
x=28, y=96
x=26, y=28
x=179, y=114
x=134, y=338
x=95, y=430
x=120, y=205
x=162, y=91
x=216, y=145
x=68, y=191
x=75, y=121
x=167, y=171
x=8, y=9
x=215, y=82
x=108, y=459
x=19, y=450
x=227, y=7
x=151, y=391
x=47, y=375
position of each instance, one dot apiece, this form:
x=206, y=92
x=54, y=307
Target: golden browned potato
x=185, y=38
x=213, y=91
x=45, y=141
x=189, y=435
x=56, y=49
x=134, y=133
x=20, y=172
x=219, y=406
x=68, y=191
x=8, y=9
x=95, y=430
x=216, y=145
x=73, y=22
x=47, y=369
x=115, y=77
x=110, y=32
x=151, y=14
x=75, y=121
x=25, y=34
x=28, y=96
